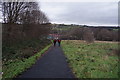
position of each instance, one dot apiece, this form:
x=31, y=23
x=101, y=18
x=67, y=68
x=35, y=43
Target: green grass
x=116, y=29
x=96, y=60
x=14, y=67
x=62, y=28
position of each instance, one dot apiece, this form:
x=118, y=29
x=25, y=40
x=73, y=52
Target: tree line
x=91, y=34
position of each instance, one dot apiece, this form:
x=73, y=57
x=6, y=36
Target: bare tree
x=115, y=35
x=88, y=35
x=33, y=15
x=23, y=12
x=105, y=34
x=11, y=11
x=78, y=33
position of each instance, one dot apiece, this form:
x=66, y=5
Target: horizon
x=80, y=24
x=83, y=24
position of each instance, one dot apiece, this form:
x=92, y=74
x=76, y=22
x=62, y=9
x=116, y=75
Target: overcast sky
x=89, y=13
x=84, y=12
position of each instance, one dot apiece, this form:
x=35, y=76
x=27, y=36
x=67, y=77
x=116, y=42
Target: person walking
x=59, y=41
x=54, y=41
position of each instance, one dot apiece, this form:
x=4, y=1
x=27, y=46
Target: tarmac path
x=51, y=65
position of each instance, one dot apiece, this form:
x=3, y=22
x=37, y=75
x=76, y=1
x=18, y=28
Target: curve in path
x=52, y=65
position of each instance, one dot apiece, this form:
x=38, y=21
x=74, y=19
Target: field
x=95, y=60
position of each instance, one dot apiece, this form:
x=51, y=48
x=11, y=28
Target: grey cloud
x=103, y=13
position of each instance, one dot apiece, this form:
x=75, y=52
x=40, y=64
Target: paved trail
x=52, y=65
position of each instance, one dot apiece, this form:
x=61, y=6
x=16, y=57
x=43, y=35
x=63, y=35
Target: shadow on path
x=52, y=65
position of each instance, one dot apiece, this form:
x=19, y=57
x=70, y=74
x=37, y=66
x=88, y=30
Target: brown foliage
x=88, y=35
x=22, y=32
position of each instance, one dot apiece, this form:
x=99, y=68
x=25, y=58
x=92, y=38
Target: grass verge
x=17, y=66
x=95, y=60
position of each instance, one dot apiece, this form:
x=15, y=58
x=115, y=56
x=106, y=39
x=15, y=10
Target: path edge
x=37, y=56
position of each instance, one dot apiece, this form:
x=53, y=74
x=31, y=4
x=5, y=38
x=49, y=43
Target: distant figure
x=59, y=41
x=54, y=41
